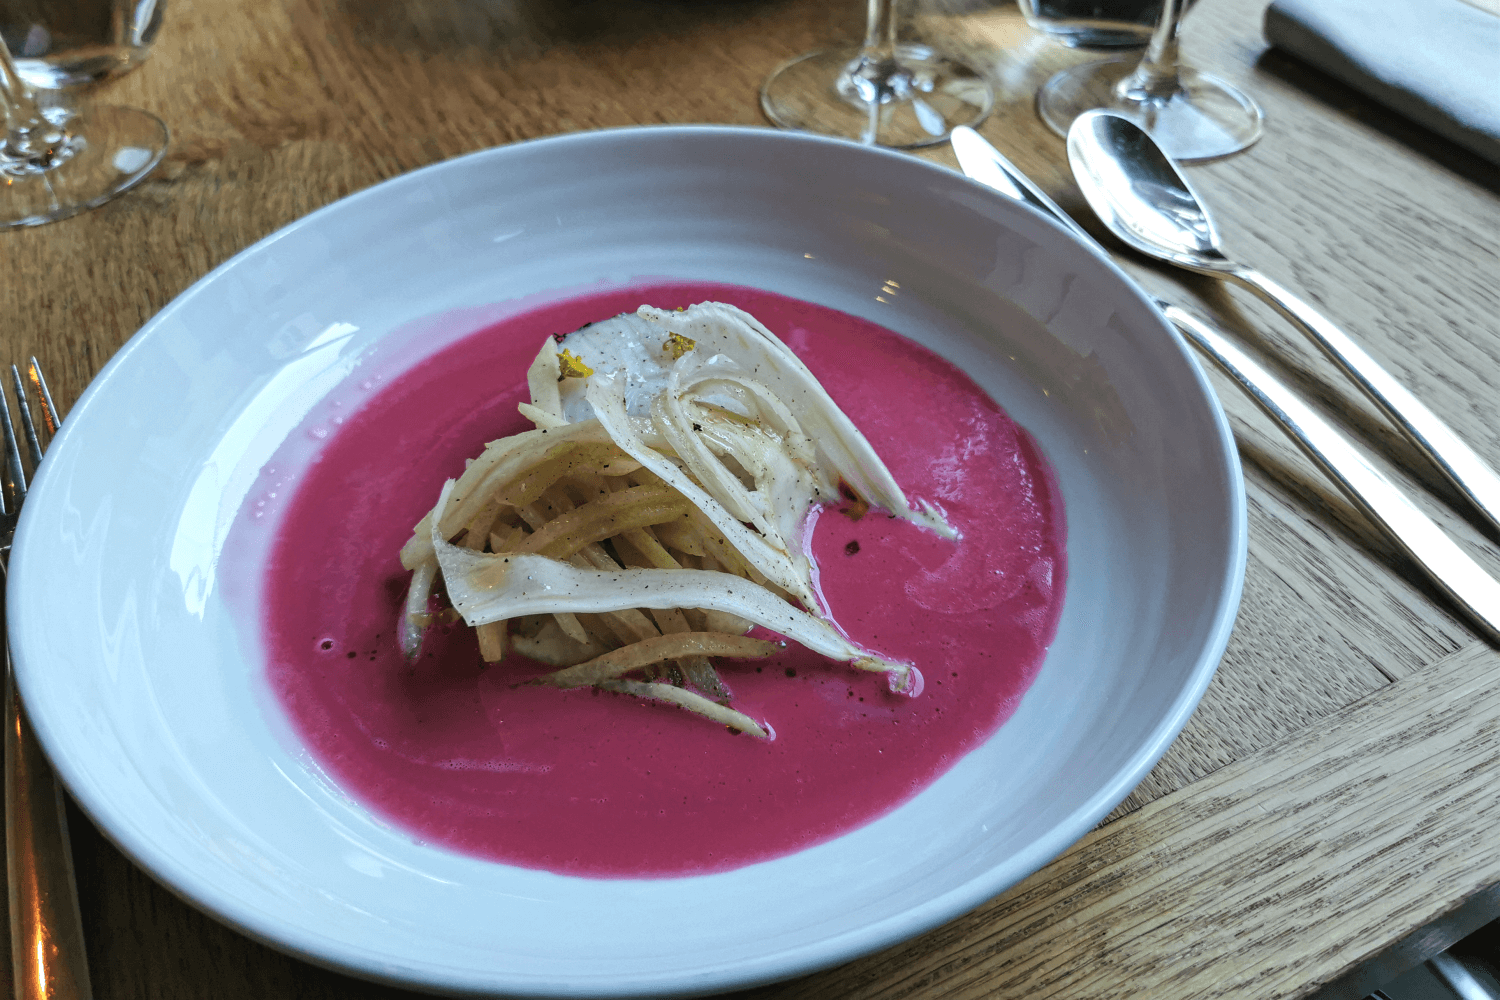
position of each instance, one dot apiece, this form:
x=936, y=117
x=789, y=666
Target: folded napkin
x=1435, y=61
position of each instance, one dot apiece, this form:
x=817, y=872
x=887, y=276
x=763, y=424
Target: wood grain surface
x=1158, y=904
x=1337, y=787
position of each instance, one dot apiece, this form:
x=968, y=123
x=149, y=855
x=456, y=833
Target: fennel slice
x=485, y=587
x=642, y=344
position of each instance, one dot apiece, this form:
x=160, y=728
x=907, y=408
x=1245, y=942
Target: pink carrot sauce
x=603, y=785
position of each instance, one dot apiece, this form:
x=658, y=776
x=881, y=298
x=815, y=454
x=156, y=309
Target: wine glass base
x=1203, y=119
x=921, y=96
x=108, y=151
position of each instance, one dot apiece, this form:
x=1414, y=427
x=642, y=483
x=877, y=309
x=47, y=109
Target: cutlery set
x=1139, y=194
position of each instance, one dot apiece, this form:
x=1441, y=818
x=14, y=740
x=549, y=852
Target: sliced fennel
x=660, y=502
x=646, y=343
x=489, y=587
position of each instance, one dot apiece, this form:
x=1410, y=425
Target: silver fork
x=46, y=928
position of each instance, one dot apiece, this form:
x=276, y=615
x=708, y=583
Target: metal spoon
x=1138, y=192
x=1474, y=591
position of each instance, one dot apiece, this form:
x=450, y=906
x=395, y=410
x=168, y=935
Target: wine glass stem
x=29, y=136
x=1156, y=76
x=880, y=30
x=876, y=75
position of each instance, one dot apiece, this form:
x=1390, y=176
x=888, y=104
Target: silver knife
x=1465, y=582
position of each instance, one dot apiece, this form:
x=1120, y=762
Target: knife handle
x=1475, y=592
x=46, y=928
x=1464, y=468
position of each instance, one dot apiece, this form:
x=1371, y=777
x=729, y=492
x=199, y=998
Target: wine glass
x=1191, y=115
x=57, y=161
x=883, y=92
x=64, y=44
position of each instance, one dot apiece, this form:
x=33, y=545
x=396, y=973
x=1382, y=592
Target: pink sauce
x=604, y=785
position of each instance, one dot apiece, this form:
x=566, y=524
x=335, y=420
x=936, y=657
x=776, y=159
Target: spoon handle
x=1460, y=577
x=1460, y=463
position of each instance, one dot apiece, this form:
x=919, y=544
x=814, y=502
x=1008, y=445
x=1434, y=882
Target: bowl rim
x=340, y=955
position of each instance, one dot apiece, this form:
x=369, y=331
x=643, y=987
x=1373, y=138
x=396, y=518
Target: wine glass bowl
x=1092, y=24
x=59, y=46
x=904, y=95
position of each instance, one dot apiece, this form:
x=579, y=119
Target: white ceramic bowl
x=146, y=686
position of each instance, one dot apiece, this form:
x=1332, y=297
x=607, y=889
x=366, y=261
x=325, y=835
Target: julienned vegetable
x=656, y=512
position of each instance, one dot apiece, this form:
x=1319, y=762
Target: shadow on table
x=1344, y=99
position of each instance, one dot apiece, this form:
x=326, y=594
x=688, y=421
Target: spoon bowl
x=1140, y=194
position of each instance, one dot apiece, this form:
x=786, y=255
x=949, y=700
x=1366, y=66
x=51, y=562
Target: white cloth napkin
x=1435, y=61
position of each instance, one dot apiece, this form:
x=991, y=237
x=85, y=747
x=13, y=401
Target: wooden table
x=1338, y=789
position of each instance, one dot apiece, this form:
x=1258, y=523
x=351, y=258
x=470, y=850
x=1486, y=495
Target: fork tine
x=14, y=476
x=28, y=426
x=49, y=409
